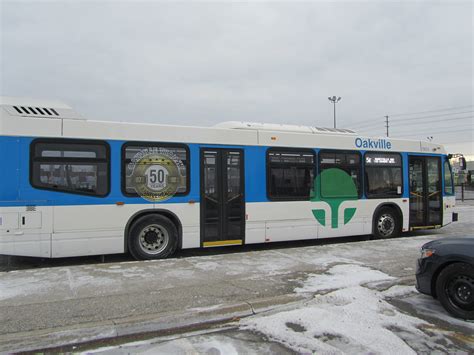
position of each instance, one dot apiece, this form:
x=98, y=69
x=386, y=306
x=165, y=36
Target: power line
x=419, y=118
x=435, y=132
x=408, y=125
x=408, y=133
x=432, y=121
x=421, y=112
x=431, y=116
x=418, y=113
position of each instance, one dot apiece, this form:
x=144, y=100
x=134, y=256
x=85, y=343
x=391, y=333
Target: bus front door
x=222, y=197
x=425, y=192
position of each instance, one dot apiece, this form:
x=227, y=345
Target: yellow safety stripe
x=223, y=242
x=426, y=227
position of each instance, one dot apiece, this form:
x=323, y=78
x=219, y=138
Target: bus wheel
x=152, y=237
x=387, y=224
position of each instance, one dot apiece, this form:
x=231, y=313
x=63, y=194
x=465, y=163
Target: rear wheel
x=455, y=290
x=387, y=223
x=152, y=237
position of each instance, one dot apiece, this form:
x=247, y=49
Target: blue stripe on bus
x=15, y=188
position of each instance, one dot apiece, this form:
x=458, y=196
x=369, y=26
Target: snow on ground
x=351, y=319
x=345, y=275
x=347, y=309
x=227, y=342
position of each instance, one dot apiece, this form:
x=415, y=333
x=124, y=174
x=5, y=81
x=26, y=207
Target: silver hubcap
x=153, y=239
x=386, y=225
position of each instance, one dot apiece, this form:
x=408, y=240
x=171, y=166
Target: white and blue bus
x=72, y=187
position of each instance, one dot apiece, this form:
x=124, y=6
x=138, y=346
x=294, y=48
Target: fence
x=464, y=192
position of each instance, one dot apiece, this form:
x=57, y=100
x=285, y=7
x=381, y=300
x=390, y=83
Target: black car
x=445, y=271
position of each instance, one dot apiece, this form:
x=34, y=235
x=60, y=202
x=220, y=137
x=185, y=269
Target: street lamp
x=334, y=100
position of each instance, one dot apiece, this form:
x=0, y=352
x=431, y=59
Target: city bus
x=70, y=186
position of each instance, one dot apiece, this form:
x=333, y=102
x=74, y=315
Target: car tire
x=387, y=224
x=152, y=237
x=455, y=290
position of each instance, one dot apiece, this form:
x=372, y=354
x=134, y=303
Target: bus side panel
x=100, y=229
x=22, y=232
x=449, y=202
x=23, y=228
x=294, y=220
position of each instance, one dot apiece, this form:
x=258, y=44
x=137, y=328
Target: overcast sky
x=203, y=63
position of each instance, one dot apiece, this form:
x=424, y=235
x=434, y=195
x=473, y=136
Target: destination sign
x=382, y=159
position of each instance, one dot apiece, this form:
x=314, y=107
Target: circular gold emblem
x=156, y=174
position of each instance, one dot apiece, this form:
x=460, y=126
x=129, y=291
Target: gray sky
x=203, y=63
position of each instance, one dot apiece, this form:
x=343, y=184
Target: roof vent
x=33, y=108
x=36, y=111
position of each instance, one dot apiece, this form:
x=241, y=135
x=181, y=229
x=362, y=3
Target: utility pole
x=334, y=100
x=386, y=123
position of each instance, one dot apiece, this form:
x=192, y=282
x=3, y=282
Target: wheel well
x=170, y=215
x=435, y=276
x=391, y=205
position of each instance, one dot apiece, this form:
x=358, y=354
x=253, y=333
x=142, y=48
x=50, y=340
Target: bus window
x=290, y=174
x=178, y=152
x=448, y=179
x=383, y=175
x=347, y=161
x=73, y=166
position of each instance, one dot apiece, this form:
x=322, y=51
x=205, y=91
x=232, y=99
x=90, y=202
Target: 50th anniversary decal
x=156, y=173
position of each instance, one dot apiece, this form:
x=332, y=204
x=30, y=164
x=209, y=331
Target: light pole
x=334, y=100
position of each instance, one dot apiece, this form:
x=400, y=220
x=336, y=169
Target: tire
x=387, y=223
x=455, y=290
x=152, y=237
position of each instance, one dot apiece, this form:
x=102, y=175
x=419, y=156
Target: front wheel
x=152, y=237
x=387, y=224
x=455, y=290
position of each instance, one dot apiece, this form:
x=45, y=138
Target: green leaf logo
x=333, y=186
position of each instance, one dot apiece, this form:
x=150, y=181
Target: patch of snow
x=350, y=319
x=212, y=344
x=342, y=276
x=204, y=309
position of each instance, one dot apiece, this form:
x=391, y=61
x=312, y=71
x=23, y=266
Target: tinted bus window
x=346, y=161
x=72, y=166
x=448, y=179
x=290, y=174
x=383, y=175
x=130, y=153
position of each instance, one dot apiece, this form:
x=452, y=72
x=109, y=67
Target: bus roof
x=45, y=118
